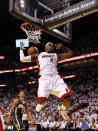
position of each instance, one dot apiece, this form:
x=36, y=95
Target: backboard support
x=50, y=20
x=71, y=14
x=33, y=16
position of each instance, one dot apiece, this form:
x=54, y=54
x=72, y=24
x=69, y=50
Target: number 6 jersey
x=47, y=63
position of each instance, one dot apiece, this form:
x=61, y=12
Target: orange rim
x=38, y=30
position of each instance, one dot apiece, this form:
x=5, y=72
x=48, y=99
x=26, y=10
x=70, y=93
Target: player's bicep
x=15, y=102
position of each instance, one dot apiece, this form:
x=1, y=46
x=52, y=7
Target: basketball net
x=33, y=34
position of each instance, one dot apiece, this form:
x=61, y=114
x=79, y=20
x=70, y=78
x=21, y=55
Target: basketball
x=32, y=50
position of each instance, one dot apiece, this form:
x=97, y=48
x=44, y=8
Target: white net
x=33, y=35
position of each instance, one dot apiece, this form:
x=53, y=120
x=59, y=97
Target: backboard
x=34, y=12
x=52, y=16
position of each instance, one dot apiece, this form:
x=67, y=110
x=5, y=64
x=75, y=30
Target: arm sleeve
x=24, y=58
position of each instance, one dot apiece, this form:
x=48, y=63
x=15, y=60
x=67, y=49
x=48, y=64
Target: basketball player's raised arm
x=24, y=58
x=63, y=52
x=11, y=110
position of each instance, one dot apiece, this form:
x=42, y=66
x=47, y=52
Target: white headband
x=49, y=43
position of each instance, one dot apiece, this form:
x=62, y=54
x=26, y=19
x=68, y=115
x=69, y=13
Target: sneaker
x=39, y=107
x=63, y=113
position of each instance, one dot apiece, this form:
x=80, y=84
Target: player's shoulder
x=42, y=53
x=55, y=54
x=46, y=53
x=16, y=101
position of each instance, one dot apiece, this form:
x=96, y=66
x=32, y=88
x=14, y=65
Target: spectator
x=84, y=125
x=93, y=125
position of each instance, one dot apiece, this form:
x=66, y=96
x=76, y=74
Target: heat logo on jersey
x=46, y=56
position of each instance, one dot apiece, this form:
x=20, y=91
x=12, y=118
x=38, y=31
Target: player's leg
x=14, y=122
x=21, y=130
x=17, y=122
x=40, y=104
x=66, y=100
x=66, y=103
x=43, y=93
x=64, y=93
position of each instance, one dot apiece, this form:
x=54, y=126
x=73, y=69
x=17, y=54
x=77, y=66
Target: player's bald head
x=49, y=47
x=49, y=43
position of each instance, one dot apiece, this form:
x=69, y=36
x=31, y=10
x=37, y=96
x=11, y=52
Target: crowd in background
x=82, y=114
x=83, y=111
x=85, y=44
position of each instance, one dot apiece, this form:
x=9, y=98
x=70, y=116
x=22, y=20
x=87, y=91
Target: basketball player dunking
x=50, y=82
x=18, y=108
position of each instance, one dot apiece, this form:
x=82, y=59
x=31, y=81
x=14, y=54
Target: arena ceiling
x=9, y=23
x=4, y=9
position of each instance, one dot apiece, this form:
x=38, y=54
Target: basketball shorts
x=52, y=84
x=18, y=123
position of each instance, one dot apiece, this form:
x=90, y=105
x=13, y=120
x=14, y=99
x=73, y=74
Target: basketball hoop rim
x=38, y=30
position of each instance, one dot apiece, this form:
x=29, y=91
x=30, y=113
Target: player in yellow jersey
x=18, y=108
